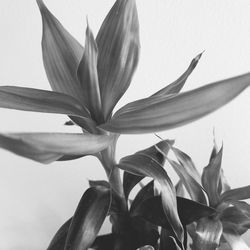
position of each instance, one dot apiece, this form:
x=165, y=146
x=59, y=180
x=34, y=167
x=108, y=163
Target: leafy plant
x=87, y=83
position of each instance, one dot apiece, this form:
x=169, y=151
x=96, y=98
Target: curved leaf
x=188, y=210
x=130, y=180
x=142, y=164
x=37, y=100
x=104, y=242
x=146, y=248
x=48, y=147
x=194, y=189
x=58, y=241
x=176, y=86
x=242, y=193
x=88, y=77
x=166, y=112
x=180, y=189
x=118, y=44
x=88, y=218
x=210, y=178
x=61, y=55
x=208, y=234
x=167, y=241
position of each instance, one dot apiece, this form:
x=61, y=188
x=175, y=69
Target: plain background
x=36, y=199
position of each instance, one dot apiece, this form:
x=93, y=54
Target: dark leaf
x=167, y=241
x=88, y=218
x=104, y=242
x=58, y=241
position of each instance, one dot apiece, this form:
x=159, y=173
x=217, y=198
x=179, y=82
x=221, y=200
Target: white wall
x=37, y=199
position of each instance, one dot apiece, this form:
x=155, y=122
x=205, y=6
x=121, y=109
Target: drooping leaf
x=144, y=165
x=242, y=193
x=210, y=178
x=58, y=241
x=130, y=180
x=176, y=86
x=118, y=44
x=188, y=210
x=194, y=189
x=235, y=241
x=166, y=112
x=186, y=161
x=88, y=218
x=38, y=100
x=48, y=147
x=145, y=193
x=88, y=77
x=61, y=55
x=208, y=234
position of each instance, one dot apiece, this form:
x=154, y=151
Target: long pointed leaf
x=88, y=218
x=88, y=77
x=61, y=55
x=37, y=100
x=48, y=147
x=208, y=234
x=118, y=44
x=210, y=178
x=144, y=165
x=242, y=193
x=166, y=112
x=178, y=84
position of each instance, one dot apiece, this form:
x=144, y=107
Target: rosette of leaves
x=87, y=82
x=223, y=229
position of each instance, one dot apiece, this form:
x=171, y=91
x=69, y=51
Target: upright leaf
x=208, y=234
x=176, y=86
x=48, y=147
x=118, y=44
x=61, y=55
x=166, y=112
x=88, y=77
x=88, y=218
x=211, y=177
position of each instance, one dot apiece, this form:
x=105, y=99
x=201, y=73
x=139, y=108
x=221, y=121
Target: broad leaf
x=37, y=100
x=144, y=194
x=88, y=218
x=104, y=242
x=142, y=164
x=118, y=44
x=188, y=210
x=130, y=180
x=166, y=112
x=208, y=234
x=211, y=177
x=235, y=241
x=242, y=193
x=177, y=85
x=61, y=55
x=88, y=77
x=58, y=241
x=48, y=147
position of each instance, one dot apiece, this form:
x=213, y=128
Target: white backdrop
x=37, y=199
